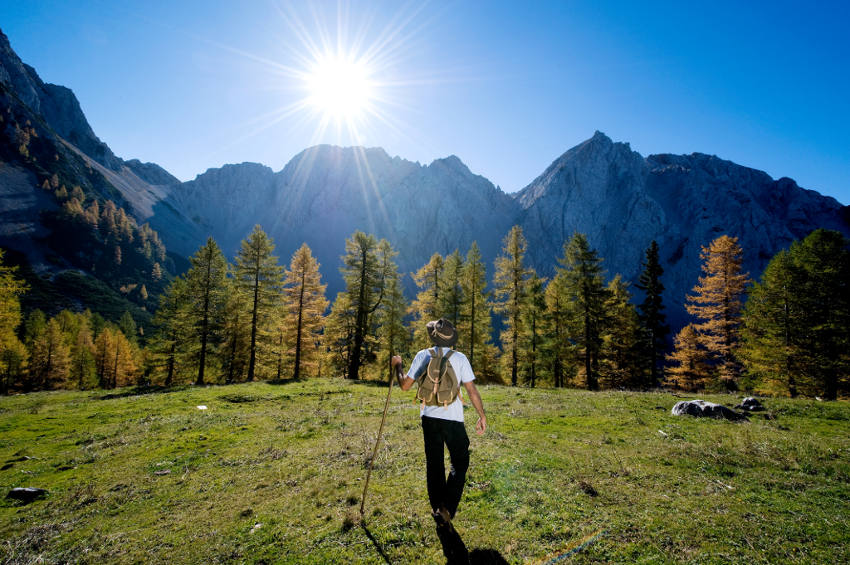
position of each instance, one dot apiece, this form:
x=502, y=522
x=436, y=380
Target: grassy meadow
x=273, y=473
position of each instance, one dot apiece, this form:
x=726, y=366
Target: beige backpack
x=438, y=385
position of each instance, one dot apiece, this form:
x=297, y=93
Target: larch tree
x=533, y=330
x=339, y=333
x=205, y=286
x=510, y=284
x=171, y=320
x=394, y=338
x=717, y=302
x=654, y=329
x=475, y=325
x=13, y=354
x=304, y=307
x=582, y=270
x=236, y=330
x=367, y=264
x=557, y=346
x=450, y=302
x=49, y=357
x=82, y=355
x=426, y=305
x=690, y=370
x=619, y=357
x=258, y=275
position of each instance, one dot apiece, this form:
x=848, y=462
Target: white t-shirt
x=463, y=372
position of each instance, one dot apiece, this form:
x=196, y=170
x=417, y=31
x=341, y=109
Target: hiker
x=442, y=415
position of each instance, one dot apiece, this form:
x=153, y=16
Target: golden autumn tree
x=304, y=307
x=717, y=303
x=425, y=306
x=690, y=357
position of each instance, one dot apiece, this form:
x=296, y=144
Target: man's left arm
x=475, y=398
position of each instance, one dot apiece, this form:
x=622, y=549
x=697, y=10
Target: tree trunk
x=297, y=372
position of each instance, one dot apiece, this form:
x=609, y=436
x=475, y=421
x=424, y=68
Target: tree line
x=249, y=319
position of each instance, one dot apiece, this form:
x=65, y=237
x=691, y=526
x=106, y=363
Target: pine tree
x=796, y=323
x=510, y=288
x=259, y=275
x=823, y=257
x=533, y=329
x=426, y=305
x=654, y=330
x=127, y=325
x=304, y=305
x=691, y=370
x=205, y=286
x=717, y=301
x=13, y=354
x=474, y=327
x=620, y=356
x=367, y=264
x=582, y=270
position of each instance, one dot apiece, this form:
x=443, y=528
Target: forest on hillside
x=251, y=318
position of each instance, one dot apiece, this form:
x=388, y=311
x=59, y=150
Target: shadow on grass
x=378, y=547
x=455, y=551
x=142, y=390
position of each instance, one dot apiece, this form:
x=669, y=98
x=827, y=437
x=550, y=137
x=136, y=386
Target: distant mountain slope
x=325, y=193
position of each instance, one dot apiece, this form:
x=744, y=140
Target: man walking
x=442, y=418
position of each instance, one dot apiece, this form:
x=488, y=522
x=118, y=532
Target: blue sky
x=506, y=86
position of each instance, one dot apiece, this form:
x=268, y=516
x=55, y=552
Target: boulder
x=702, y=408
x=26, y=494
x=750, y=404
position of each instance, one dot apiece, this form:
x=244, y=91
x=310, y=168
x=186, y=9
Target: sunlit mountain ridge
x=602, y=188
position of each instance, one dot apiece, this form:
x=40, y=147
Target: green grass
x=554, y=467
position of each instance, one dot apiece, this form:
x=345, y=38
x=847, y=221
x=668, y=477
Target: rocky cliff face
x=623, y=201
x=57, y=104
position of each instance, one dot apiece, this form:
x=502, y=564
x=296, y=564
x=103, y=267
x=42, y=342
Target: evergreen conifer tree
x=654, y=330
x=172, y=322
x=582, y=270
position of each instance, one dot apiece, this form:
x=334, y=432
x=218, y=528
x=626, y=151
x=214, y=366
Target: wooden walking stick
x=377, y=441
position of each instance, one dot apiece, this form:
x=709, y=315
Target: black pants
x=438, y=432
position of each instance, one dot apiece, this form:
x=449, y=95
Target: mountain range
x=620, y=199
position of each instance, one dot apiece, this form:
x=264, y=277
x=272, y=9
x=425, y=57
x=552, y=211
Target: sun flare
x=339, y=87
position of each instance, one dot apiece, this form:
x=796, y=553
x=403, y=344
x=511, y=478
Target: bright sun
x=339, y=87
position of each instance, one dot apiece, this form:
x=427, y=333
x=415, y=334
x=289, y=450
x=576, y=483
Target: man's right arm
x=404, y=382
